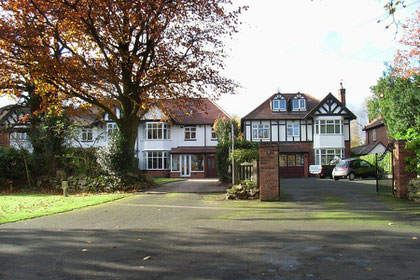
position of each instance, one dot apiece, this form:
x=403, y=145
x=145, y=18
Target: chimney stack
x=342, y=94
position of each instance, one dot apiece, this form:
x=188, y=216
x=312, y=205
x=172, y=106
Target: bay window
x=329, y=127
x=158, y=131
x=197, y=162
x=156, y=160
x=324, y=156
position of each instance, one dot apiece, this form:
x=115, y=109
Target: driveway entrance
x=192, y=186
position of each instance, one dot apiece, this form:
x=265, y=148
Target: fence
x=247, y=171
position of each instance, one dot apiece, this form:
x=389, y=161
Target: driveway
x=192, y=186
x=321, y=230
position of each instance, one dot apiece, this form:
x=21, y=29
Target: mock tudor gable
x=307, y=130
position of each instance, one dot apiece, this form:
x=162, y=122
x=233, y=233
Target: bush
x=112, y=158
x=80, y=161
x=12, y=165
x=385, y=164
x=223, y=163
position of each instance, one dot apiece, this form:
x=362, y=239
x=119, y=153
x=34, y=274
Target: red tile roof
x=264, y=110
x=198, y=111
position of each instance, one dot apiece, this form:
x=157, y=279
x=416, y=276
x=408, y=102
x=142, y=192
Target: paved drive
x=192, y=186
x=322, y=230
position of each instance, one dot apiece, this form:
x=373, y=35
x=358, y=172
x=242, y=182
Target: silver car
x=353, y=167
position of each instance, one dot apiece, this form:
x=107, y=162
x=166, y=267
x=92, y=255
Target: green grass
x=160, y=181
x=406, y=207
x=333, y=202
x=25, y=206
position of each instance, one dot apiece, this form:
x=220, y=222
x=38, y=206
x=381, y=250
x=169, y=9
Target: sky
x=308, y=46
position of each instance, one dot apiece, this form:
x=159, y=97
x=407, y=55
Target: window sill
x=190, y=139
x=213, y=139
x=156, y=139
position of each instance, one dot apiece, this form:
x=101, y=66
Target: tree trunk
x=128, y=128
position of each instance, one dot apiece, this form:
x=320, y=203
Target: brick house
x=307, y=130
x=178, y=143
x=376, y=139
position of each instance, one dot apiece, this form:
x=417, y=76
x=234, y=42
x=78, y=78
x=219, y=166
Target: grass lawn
x=403, y=205
x=25, y=206
x=160, y=181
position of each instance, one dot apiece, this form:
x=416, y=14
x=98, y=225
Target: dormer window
x=279, y=103
x=299, y=103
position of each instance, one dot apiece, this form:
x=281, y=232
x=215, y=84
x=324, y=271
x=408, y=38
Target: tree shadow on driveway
x=207, y=253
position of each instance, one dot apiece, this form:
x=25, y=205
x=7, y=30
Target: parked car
x=354, y=167
x=324, y=170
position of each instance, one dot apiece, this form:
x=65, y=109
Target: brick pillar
x=269, y=172
x=401, y=175
x=306, y=165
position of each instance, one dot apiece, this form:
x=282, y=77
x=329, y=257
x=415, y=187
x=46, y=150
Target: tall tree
x=406, y=61
x=129, y=54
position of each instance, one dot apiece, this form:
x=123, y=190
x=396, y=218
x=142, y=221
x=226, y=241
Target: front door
x=211, y=167
x=185, y=163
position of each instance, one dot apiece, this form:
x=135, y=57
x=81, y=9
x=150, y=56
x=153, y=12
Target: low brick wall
x=158, y=173
x=269, y=172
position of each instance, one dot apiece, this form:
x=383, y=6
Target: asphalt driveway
x=191, y=186
x=321, y=230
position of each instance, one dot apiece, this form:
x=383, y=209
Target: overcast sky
x=308, y=46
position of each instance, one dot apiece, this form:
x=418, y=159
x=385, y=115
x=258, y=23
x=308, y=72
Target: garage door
x=291, y=165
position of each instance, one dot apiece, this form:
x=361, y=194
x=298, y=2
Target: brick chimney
x=342, y=94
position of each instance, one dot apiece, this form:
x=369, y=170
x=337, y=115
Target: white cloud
x=308, y=46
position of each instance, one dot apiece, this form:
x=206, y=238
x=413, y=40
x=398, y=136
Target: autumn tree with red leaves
x=406, y=61
x=129, y=54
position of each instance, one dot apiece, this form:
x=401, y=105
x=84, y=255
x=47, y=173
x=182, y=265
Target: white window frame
x=295, y=128
x=19, y=136
x=111, y=128
x=86, y=135
x=301, y=104
x=320, y=124
x=324, y=156
x=279, y=104
x=162, y=156
x=163, y=131
x=190, y=132
x=260, y=131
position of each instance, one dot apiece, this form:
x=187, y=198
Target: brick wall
x=158, y=173
x=401, y=175
x=269, y=172
x=347, y=149
x=4, y=140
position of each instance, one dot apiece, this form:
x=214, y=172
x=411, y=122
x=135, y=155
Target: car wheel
x=321, y=176
x=352, y=176
x=335, y=178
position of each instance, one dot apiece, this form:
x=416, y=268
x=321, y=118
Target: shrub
x=112, y=158
x=12, y=165
x=223, y=163
x=384, y=164
x=80, y=161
